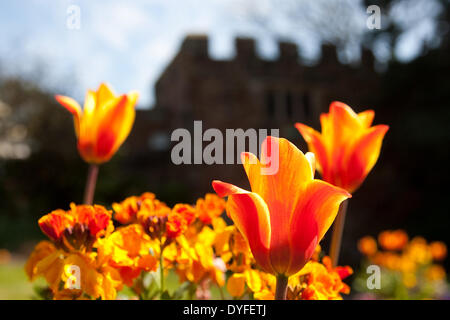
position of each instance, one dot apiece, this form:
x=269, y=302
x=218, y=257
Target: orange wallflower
x=323, y=282
x=96, y=280
x=128, y=250
x=287, y=213
x=438, y=250
x=126, y=211
x=348, y=147
x=209, y=208
x=103, y=124
x=78, y=227
x=179, y=219
x=435, y=272
x=393, y=240
x=367, y=246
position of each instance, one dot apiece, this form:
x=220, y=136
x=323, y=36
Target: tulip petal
x=316, y=145
x=250, y=214
x=88, y=127
x=104, y=94
x=312, y=218
x=129, y=115
x=345, y=122
x=324, y=199
x=74, y=108
x=291, y=178
x=366, y=118
x=364, y=156
x=115, y=122
x=90, y=102
x=312, y=161
x=344, y=116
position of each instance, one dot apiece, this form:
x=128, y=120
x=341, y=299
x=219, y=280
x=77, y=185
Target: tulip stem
x=281, y=288
x=338, y=229
x=90, y=184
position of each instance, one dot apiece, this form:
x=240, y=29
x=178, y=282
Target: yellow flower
x=128, y=250
x=418, y=251
x=253, y=280
x=42, y=250
x=236, y=285
x=232, y=247
x=435, y=273
x=323, y=282
x=264, y=295
x=91, y=280
x=409, y=280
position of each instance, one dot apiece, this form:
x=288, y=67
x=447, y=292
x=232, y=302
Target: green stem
x=281, y=287
x=90, y=184
x=221, y=292
x=338, y=229
x=161, y=270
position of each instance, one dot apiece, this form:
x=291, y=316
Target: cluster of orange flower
x=193, y=241
x=413, y=262
x=108, y=257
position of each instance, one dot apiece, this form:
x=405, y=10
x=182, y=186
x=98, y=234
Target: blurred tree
x=31, y=175
x=414, y=25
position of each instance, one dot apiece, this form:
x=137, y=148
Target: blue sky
x=127, y=43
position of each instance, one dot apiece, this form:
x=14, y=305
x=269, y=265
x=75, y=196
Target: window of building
x=306, y=102
x=270, y=103
x=289, y=105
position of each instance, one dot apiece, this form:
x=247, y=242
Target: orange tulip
x=103, y=124
x=348, y=147
x=287, y=213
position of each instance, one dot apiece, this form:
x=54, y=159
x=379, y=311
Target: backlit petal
x=312, y=161
x=316, y=145
x=311, y=220
x=74, y=108
x=345, y=123
x=88, y=127
x=366, y=118
x=250, y=214
x=280, y=190
x=115, y=123
x=364, y=156
x=104, y=94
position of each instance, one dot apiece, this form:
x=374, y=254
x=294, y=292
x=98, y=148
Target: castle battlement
x=196, y=45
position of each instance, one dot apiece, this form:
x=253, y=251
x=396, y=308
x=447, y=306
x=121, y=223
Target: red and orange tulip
x=287, y=213
x=348, y=147
x=103, y=124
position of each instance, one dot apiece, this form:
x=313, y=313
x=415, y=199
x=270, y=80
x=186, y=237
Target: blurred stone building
x=244, y=92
